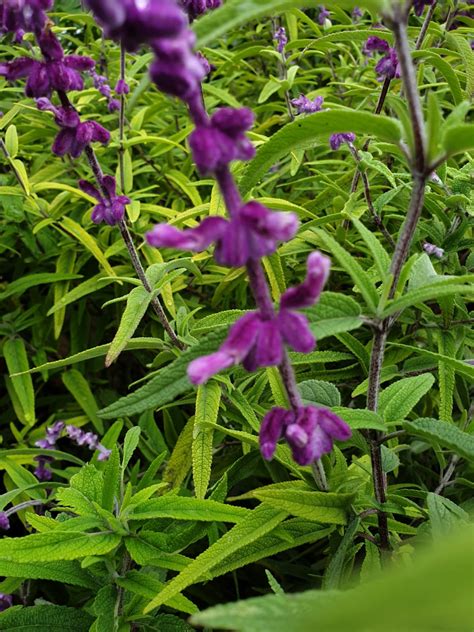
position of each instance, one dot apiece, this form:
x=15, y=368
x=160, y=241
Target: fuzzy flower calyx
x=111, y=208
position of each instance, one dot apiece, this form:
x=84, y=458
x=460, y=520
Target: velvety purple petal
x=203, y=145
x=50, y=46
x=80, y=63
x=271, y=430
x=195, y=239
x=233, y=121
x=294, y=328
x=90, y=189
x=21, y=67
x=200, y=370
x=242, y=336
x=233, y=246
x=63, y=142
x=308, y=292
x=268, y=346
x=110, y=185
x=333, y=425
x=99, y=213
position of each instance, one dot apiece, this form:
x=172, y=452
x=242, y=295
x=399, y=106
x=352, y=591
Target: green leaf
x=318, y=392
x=14, y=351
x=326, y=508
x=313, y=130
x=334, y=572
x=443, y=433
x=334, y=314
x=168, y=384
x=18, y=287
x=79, y=388
x=399, y=399
x=458, y=138
x=432, y=593
x=146, y=585
x=358, y=418
x=463, y=368
x=445, y=516
x=62, y=571
x=379, y=254
x=179, y=463
x=76, y=230
x=431, y=291
x=207, y=409
x=137, y=304
x=11, y=140
x=57, y=546
x=42, y=618
x=183, y=508
x=130, y=445
x=353, y=269
x=260, y=521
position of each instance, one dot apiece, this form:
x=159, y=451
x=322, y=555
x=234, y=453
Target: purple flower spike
x=306, y=106
x=111, y=208
x=253, y=233
x=88, y=439
x=388, y=67
x=337, y=140
x=4, y=522
x=23, y=15
x=6, y=601
x=375, y=44
x=310, y=432
x=281, y=39
x=223, y=140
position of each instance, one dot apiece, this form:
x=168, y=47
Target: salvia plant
x=286, y=187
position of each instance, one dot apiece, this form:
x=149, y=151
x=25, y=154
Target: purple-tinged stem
x=122, y=122
x=426, y=23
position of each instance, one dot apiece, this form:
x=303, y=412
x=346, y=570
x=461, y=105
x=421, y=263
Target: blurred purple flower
x=122, y=87
x=6, y=601
x=254, y=232
x=337, y=140
x=258, y=342
x=88, y=439
x=4, y=522
x=323, y=15
x=42, y=472
x=419, y=5
x=281, y=39
x=357, y=13
x=310, y=432
x=388, y=67
x=306, y=106
x=195, y=8
x=74, y=135
x=56, y=72
x=431, y=249
x=111, y=208
x=23, y=15
x=222, y=140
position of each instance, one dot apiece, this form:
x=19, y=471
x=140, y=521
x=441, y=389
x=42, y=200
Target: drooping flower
x=195, y=8
x=222, y=139
x=56, y=72
x=74, y=135
x=122, y=87
x=434, y=250
x=6, y=601
x=337, y=140
x=254, y=232
x=136, y=22
x=111, y=208
x=23, y=15
x=306, y=106
x=4, y=522
x=42, y=471
x=388, y=67
x=256, y=341
x=281, y=39
x=310, y=431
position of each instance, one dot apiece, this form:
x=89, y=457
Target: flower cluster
x=4, y=521
x=80, y=437
x=337, y=140
x=195, y=8
x=281, y=39
x=22, y=16
x=111, y=207
x=309, y=431
x=388, y=67
x=304, y=105
x=256, y=341
x=101, y=84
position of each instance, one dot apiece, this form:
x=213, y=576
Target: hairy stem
x=122, y=122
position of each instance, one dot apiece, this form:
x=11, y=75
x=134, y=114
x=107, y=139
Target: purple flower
x=419, y=5
x=122, y=87
x=254, y=232
x=136, y=22
x=222, y=140
x=42, y=472
x=24, y=15
x=52, y=435
x=74, y=135
x=281, y=39
x=356, y=14
x=4, y=522
x=195, y=8
x=431, y=249
x=257, y=342
x=323, y=15
x=388, y=67
x=88, y=439
x=56, y=72
x=111, y=208
x=6, y=601
x=306, y=106
x=177, y=70
x=310, y=432
x=337, y=140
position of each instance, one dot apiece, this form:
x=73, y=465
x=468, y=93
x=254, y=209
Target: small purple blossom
x=56, y=72
x=388, y=67
x=195, y=8
x=309, y=431
x=52, y=435
x=222, y=140
x=42, y=471
x=357, y=13
x=111, y=208
x=88, y=439
x=337, y=140
x=306, y=106
x=4, y=522
x=281, y=39
x=323, y=15
x=122, y=87
x=18, y=16
x=256, y=341
x=74, y=135
x=431, y=249
x=6, y=601
x=254, y=232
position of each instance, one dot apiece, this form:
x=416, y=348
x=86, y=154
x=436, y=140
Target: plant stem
x=426, y=23
x=122, y=122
